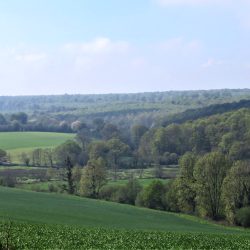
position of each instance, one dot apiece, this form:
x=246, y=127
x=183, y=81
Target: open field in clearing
x=32, y=207
x=19, y=140
x=16, y=143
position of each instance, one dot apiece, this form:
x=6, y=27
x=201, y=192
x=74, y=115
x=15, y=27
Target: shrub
x=8, y=181
x=152, y=196
x=52, y=188
x=243, y=217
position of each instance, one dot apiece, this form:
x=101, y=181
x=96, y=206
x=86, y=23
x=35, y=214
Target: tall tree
x=185, y=183
x=70, y=180
x=209, y=173
x=93, y=179
x=236, y=189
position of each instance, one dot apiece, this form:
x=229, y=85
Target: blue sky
x=95, y=46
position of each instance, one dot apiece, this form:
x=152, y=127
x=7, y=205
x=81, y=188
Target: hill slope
x=52, y=209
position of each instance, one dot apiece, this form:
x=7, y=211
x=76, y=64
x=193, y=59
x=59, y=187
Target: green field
x=43, y=221
x=15, y=143
x=20, y=140
x=26, y=206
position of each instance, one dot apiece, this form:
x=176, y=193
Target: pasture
x=20, y=140
x=16, y=143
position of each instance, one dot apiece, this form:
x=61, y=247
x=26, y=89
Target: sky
x=117, y=46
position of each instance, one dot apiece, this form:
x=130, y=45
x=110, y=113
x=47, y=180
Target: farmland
x=62, y=221
x=75, y=211
x=16, y=143
x=33, y=236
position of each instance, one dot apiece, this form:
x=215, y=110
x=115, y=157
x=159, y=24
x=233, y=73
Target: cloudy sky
x=97, y=46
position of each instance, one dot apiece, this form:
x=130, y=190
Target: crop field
x=66, y=222
x=16, y=143
x=33, y=236
x=19, y=140
x=76, y=211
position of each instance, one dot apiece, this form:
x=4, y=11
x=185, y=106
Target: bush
x=8, y=181
x=243, y=217
x=152, y=196
x=108, y=193
x=52, y=188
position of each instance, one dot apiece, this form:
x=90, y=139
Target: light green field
x=19, y=140
x=15, y=143
x=32, y=207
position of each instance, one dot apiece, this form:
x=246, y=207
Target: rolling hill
x=54, y=209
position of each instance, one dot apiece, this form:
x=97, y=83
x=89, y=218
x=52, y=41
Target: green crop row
x=34, y=236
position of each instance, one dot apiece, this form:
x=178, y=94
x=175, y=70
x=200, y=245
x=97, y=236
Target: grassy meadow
x=15, y=143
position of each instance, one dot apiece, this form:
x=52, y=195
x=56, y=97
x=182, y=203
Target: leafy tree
x=152, y=196
x=170, y=198
x=236, y=189
x=2, y=120
x=209, y=173
x=93, y=179
x=98, y=149
x=69, y=149
x=69, y=174
x=3, y=155
x=117, y=149
x=110, y=131
x=25, y=158
x=243, y=217
x=129, y=192
x=200, y=140
x=20, y=117
x=185, y=183
x=137, y=132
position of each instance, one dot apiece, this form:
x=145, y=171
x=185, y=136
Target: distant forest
x=57, y=113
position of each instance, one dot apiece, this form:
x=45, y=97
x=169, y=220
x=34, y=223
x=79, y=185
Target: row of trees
x=212, y=186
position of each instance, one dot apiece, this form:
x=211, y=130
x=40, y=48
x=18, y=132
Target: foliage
x=152, y=196
x=93, y=178
x=3, y=155
x=243, y=216
x=209, y=173
x=69, y=149
x=236, y=189
x=185, y=182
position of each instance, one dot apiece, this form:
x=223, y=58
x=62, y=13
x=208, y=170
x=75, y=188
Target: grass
x=32, y=207
x=143, y=182
x=19, y=140
x=16, y=143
